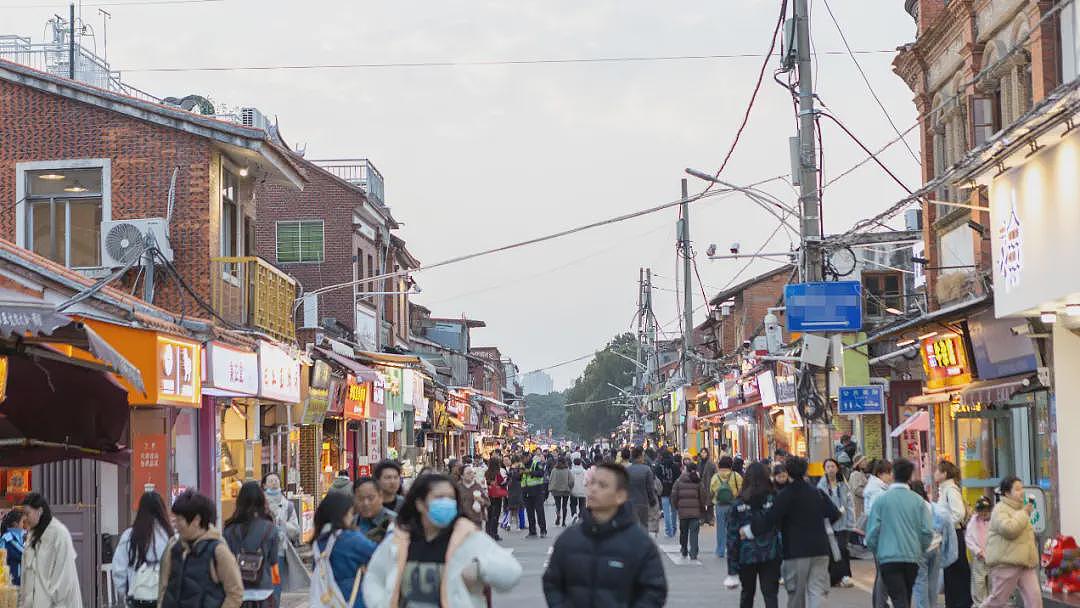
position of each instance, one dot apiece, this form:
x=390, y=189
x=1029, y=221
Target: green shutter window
x=299, y=242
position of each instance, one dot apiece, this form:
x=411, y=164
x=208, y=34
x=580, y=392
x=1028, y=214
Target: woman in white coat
x=49, y=578
x=436, y=556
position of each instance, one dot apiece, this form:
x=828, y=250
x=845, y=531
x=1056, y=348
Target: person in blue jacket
x=13, y=539
x=343, y=549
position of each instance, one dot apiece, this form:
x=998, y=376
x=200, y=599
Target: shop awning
x=56, y=411
x=21, y=318
x=388, y=358
x=994, y=391
x=929, y=399
x=949, y=313
x=362, y=372
x=454, y=422
x=495, y=407
x=918, y=422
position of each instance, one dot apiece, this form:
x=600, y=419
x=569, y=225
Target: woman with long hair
x=436, y=556
x=288, y=525
x=341, y=554
x=836, y=488
x=49, y=578
x=13, y=542
x=957, y=575
x=253, y=539
x=136, y=564
x=753, y=560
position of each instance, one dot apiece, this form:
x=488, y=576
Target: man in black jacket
x=607, y=560
x=799, y=512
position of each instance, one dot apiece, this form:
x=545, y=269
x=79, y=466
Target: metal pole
x=71, y=41
x=688, y=307
x=809, y=202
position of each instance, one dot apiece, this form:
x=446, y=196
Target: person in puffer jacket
x=607, y=560
x=689, y=499
x=754, y=560
x=1011, y=551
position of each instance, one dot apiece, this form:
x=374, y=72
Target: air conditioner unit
x=123, y=241
x=252, y=117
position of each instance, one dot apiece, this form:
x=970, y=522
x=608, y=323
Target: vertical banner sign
x=3, y=378
x=374, y=434
x=149, y=467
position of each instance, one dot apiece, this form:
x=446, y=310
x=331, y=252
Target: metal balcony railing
x=250, y=291
x=360, y=172
x=53, y=58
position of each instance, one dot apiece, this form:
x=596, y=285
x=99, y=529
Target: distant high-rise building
x=538, y=383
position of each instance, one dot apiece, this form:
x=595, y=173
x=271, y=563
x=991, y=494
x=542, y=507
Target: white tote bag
x=325, y=592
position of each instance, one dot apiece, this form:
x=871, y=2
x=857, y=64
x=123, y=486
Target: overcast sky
x=479, y=156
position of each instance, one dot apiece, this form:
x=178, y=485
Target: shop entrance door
x=984, y=444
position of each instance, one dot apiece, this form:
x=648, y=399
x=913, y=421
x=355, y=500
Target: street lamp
x=634, y=361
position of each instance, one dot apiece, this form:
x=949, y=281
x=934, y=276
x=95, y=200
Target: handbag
x=251, y=562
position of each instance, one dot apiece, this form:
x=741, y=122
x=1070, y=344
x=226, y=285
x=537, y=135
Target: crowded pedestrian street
x=539, y=303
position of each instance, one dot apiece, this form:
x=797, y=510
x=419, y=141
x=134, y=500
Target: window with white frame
x=64, y=209
x=230, y=214
x=300, y=241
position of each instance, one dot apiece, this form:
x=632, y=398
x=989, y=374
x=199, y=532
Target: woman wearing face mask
x=436, y=556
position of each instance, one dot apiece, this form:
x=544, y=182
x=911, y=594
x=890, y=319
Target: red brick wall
x=323, y=198
x=751, y=306
x=37, y=126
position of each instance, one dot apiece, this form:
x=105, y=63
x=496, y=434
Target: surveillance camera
x=1020, y=330
x=711, y=251
x=735, y=248
x=746, y=343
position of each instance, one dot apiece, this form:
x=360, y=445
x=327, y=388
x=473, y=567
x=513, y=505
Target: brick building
x=740, y=311
x=75, y=157
x=968, y=87
x=337, y=230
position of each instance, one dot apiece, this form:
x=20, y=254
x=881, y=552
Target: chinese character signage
x=859, y=400
x=3, y=378
x=149, y=466
x=945, y=361
x=232, y=369
x=394, y=398
x=356, y=399
x=279, y=374
x=178, y=380
x=374, y=441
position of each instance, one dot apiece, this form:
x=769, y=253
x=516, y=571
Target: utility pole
x=809, y=198
x=71, y=41
x=638, y=376
x=688, y=303
x=809, y=201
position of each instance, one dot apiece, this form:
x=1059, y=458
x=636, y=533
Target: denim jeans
x=670, y=516
x=721, y=529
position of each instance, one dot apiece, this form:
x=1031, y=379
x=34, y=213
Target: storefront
x=230, y=380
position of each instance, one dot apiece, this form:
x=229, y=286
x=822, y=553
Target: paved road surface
x=689, y=585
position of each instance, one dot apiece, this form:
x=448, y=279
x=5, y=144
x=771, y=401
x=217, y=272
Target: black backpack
x=666, y=477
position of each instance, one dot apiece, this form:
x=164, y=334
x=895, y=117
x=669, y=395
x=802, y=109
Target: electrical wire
x=866, y=79
x=873, y=156
x=475, y=63
x=134, y=3
x=754, y=94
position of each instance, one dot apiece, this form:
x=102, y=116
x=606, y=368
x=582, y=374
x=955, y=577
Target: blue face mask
x=442, y=511
x=273, y=492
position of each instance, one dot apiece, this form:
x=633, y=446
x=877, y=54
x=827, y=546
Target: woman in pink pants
x=1011, y=551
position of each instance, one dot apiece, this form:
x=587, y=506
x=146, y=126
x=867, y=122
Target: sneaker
x=530, y=536
x=731, y=582
x=847, y=583
x=543, y=535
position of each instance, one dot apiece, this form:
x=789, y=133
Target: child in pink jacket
x=975, y=537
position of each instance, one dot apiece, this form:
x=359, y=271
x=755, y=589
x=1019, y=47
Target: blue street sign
x=824, y=307
x=858, y=400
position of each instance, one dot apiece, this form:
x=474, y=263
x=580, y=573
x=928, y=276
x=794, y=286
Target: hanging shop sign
x=748, y=389
x=408, y=389
x=945, y=361
x=420, y=413
x=356, y=398
x=337, y=393
x=279, y=373
x=230, y=371
x=731, y=390
x=177, y=371
x=792, y=418
x=377, y=411
x=767, y=388
x=712, y=400
x=394, y=399
x=374, y=437
x=996, y=350
x=439, y=417
x=318, y=393
x=3, y=378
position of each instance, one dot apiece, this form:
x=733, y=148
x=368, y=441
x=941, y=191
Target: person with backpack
x=834, y=486
x=561, y=483
x=198, y=569
x=136, y=564
x=253, y=539
x=726, y=484
x=757, y=561
x=341, y=553
x=667, y=471
x=708, y=469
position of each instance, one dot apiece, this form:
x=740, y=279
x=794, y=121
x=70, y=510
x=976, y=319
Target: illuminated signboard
x=945, y=361
x=356, y=399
